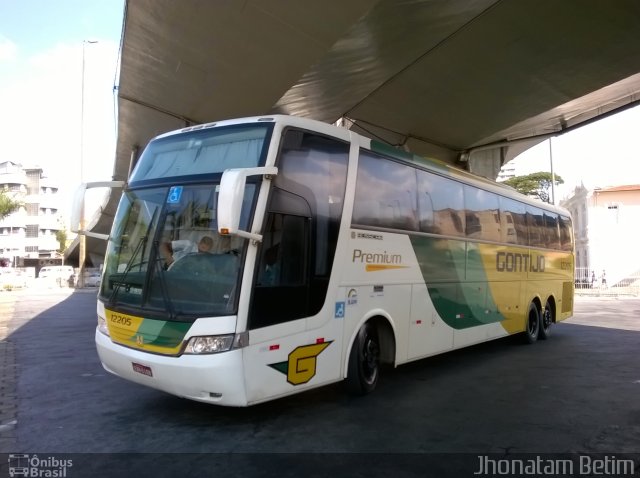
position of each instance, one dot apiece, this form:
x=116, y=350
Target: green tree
x=61, y=237
x=8, y=204
x=535, y=184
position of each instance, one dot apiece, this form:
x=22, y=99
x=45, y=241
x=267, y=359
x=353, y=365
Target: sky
x=41, y=92
x=41, y=87
x=603, y=153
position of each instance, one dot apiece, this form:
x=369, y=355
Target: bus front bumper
x=213, y=378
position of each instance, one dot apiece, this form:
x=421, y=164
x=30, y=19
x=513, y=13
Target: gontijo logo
x=377, y=261
x=515, y=262
x=302, y=363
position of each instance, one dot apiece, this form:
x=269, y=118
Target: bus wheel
x=364, y=361
x=533, y=324
x=545, y=322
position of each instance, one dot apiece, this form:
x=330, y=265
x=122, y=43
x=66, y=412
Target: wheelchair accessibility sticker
x=339, y=314
x=174, y=195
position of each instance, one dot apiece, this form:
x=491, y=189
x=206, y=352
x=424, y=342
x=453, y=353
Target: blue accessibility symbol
x=339, y=310
x=174, y=194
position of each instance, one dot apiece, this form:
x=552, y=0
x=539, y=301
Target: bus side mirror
x=231, y=197
x=77, y=210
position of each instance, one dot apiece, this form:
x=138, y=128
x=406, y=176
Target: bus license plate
x=143, y=369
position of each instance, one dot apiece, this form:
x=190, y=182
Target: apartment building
x=28, y=236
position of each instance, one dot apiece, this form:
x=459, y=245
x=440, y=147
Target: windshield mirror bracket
x=77, y=213
x=230, y=199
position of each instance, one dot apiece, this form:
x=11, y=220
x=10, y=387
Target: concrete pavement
x=574, y=393
x=8, y=374
x=18, y=307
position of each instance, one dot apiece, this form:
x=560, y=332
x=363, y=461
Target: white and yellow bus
x=256, y=258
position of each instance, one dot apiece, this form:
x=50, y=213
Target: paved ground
x=18, y=308
x=575, y=393
x=8, y=375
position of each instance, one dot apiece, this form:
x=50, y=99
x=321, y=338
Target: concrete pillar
x=486, y=163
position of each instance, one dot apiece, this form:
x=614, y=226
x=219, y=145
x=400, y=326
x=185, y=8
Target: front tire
x=533, y=324
x=364, y=361
x=546, y=320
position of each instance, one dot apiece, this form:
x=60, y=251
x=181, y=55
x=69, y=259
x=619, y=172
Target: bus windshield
x=206, y=151
x=165, y=258
x=165, y=255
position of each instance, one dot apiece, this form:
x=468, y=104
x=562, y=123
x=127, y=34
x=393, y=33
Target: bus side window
x=283, y=260
x=385, y=194
x=482, y=214
x=281, y=292
x=566, y=233
x=552, y=233
x=270, y=266
x=441, y=205
x=535, y=223
x=514, y=222
x=305, y=209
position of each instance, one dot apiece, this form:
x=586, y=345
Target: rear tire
x=364, y=361
x=546, y=320
x=533, y=324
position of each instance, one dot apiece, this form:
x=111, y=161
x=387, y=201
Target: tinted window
x=513, y=222
x=315, y=168
x=535, y=223
x=566, y=234
x=440, y=205
x=301, y=229
x=284, y=254
x=385, y=194
x=552, y=233
x=482, y=215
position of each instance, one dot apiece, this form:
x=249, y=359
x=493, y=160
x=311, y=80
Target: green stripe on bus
x=162, y=333
x=456, y=281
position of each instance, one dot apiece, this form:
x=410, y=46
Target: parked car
x=62, y=275
x=92, y=280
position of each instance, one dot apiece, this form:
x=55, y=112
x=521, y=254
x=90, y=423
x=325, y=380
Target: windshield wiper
x=127, y=268
x=142, y=242
x=166, y=297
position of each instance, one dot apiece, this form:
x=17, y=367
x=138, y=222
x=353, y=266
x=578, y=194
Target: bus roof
x=431, y=164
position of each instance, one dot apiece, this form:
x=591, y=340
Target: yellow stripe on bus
x=125, y=329
x=381, y=267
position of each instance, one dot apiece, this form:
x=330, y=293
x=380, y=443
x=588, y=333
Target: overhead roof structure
x=443, y=78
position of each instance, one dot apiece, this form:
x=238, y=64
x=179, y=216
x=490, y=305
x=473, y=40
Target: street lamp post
x=553, y=175
x=82, y=252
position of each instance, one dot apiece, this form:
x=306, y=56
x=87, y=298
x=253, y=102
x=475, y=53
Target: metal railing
x=589, y=283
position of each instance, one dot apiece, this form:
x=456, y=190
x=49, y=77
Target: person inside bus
x=271, y=272
x=176, y=250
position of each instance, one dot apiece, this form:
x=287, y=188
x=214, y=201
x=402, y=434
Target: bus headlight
x=102, y=325
x=213, y=344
